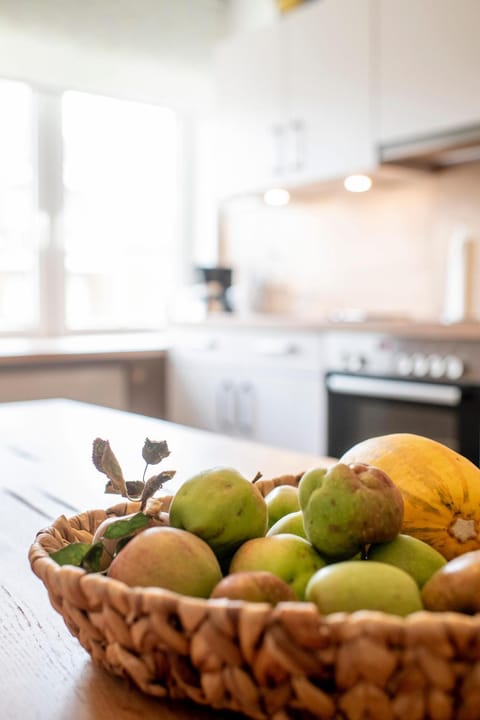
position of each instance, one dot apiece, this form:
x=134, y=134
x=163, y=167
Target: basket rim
x=43, y=565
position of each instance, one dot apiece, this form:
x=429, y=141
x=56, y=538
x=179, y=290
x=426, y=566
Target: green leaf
x=106, y=462
x=72, y=554
x=121, y=544
x=122, y=528
x=154, y=451
x=91, y=559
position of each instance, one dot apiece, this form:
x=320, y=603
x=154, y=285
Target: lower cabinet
x=124, y=384
x=99, y=383
x=267, y=389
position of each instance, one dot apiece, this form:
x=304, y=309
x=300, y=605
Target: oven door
x=360, y=407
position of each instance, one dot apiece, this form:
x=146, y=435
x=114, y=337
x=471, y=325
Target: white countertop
x=399, y=327
x=18, y=351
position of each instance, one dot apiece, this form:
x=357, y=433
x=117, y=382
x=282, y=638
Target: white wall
x=251, y=14
x=146, y=50
x=384, y=251
x=151, y=55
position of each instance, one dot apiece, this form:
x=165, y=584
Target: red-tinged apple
x=168, y=558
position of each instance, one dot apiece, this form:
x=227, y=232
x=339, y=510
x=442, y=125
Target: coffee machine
x=215, y=282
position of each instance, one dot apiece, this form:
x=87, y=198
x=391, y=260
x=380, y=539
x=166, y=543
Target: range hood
x=434, y=152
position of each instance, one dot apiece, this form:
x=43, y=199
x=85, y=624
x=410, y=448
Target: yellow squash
x=440, y=488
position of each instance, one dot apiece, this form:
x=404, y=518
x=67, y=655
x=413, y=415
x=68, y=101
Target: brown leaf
x=154, y=451
x=155, y=483
x=135, y=489
x=106, y=462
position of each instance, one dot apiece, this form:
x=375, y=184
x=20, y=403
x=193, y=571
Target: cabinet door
x=282, y=410
x=191, y=392
x=146, y=386
x=249, y=97
x=429, y=59
x=99, y=383
x=329, y=90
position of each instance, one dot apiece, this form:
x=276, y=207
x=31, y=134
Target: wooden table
x=46, y=471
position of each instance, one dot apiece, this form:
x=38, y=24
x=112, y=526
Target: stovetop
x=386, y=356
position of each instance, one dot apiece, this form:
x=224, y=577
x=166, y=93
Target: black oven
x=363, y=406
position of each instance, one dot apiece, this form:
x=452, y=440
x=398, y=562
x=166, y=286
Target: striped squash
x=440, y=488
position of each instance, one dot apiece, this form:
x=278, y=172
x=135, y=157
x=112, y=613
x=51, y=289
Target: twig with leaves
x=87, y=555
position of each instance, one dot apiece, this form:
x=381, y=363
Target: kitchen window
x=88, y=212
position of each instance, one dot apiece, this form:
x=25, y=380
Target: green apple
x=222, y=507
x=363, y=585
x=410, y=554
x=281, y=501
x=168, y=558
x=348, y=507
x=290, y=557
x=291, y=523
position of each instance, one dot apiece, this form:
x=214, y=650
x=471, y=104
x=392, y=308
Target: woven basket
x=279, y=663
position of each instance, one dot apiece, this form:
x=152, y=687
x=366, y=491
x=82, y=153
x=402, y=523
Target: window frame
x=48, y=149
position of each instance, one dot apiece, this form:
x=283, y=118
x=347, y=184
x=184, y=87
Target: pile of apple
x=334, y=540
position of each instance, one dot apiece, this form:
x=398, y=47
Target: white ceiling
x=180, y=29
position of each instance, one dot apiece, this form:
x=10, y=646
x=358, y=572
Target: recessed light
x=276, y=197
x=357, y=183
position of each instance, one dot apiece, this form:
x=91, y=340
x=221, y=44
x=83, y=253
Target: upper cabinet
x=313, y=97
x=249, y=82
x=294, y=99
x=428, y=64
x=328, y=100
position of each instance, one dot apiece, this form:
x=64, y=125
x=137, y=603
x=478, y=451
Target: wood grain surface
x=46, y=471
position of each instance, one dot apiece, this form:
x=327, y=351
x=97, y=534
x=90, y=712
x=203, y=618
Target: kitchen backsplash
x=384, y=251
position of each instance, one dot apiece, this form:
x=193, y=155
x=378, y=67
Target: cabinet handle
x=298, y=130
x=245, y=408
x=277, y=149
x=225, y=407
x=201, y=345
x=275, y=349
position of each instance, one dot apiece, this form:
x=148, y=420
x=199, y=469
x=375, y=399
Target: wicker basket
x=279, y=663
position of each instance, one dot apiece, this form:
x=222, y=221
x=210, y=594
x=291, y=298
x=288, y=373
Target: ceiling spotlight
x=276, y=197
x=357, y=183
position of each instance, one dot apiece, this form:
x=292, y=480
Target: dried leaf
x=135, y=489
x=106, y=462
x=122, y=528
x=155, y=483
x=154, y=451
x=72, y=554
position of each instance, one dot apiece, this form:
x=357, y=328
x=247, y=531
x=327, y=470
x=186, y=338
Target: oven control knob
x=454, y=367
x=404, y=364
x=437, y=365
x=356, y=363
x=421, y=365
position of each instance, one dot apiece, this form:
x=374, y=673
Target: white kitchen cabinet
x=249, y=95
x=294, y=99
x=428, y=60
x=265, y=386
x=329, y=111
